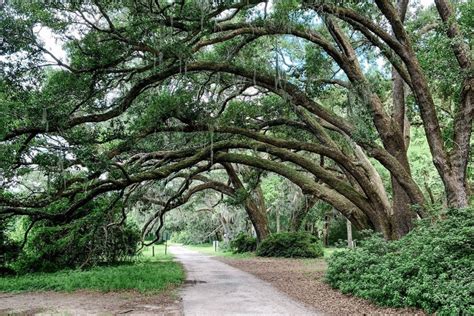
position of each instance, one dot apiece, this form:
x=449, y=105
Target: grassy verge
x=208, y=249
x=155, y=253
x=147, y=275
x=329, y=251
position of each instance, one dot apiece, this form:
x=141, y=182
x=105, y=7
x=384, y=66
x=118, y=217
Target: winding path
x=215, y=288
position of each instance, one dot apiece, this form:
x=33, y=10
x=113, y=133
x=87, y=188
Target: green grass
x=208, y=249
x=329, y=251
x=146, y=253
x=147, y=275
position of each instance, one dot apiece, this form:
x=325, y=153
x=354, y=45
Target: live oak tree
x=152, y=89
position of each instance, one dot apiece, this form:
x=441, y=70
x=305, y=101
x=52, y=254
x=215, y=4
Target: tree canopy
x=366, y=106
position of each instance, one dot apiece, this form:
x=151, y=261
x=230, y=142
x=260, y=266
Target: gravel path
x=303, y=280
x=215, y=288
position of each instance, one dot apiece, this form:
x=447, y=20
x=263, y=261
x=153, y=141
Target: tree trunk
x=326, y=230
x=392, y=223
x=456, y=183
x=300, y=213
x=258, y=218
x=402, y=216
x=255, y=207
x=227, y=232
x=452, y=165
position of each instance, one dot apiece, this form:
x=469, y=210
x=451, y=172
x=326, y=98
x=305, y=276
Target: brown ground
x=302, y=279
x=89, y=303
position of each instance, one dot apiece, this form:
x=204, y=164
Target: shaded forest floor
x=303, y=280
x=89, y=303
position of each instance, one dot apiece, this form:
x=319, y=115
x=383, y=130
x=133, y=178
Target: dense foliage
x=184, y=237
x=169, y=94
x=243, y=243
x=290, y=245
x=83, y=242
x=430, y=268
x=120, y=112
x=197, y=223
x=9, y=249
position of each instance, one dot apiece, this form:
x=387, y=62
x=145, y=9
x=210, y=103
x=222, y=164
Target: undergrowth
x=430, y=268
x=290, y=245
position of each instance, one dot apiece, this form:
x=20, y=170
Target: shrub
x=290, y=245
x=243, y=243
x=430, y=268
x=52, y=248
x=83, y=242
x=182, y=237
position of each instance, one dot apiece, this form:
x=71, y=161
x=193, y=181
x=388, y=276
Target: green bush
x=430, y=268
x=78, y=244
x=243, y=243
x=182, y=237
x=83, y=242
x=290, y=245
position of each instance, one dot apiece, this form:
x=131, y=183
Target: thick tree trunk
x=393, y=223
x=456, y=189
x=227, y=231
x=258, y=217
x=255, y=207
x=456, y=182
x=402, y=216
x=452, y=165
x=260, y=220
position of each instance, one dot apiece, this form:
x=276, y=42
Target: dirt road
x=303, y=280
x=215, y=288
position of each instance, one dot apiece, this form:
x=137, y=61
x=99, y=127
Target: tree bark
x=255, y=208
x=391, y=130
x=402, y=216
x=458, y=195
x=300, y=213
x=326, y=230
x=451, y=166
